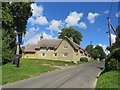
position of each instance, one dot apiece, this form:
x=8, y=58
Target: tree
x=89, y=49
x=14, y=18
x=102, y=54
x=95, y=54
x=71, y=32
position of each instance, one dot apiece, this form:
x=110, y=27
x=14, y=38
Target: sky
x=89, y=18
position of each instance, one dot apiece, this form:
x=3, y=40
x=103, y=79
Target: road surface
x=80, y=76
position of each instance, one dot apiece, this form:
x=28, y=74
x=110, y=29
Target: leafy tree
x=102, y=54
x=71, y=32
x=14, y=18
x=95, y=54
x=89, y=49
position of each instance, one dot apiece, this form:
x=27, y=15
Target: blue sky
x=89, y=18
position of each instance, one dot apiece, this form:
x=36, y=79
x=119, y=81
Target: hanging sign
x=20, y=38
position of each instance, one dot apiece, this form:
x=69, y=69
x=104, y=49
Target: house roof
x=30, y=48
x=48, y=43
x=76, y=46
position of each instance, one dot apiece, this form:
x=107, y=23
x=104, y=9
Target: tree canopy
x=14, y=18
x=96, y=52
x=71, y=32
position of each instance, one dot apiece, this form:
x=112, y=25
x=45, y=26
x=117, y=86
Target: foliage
x=102, y=54
x=14, y=18
x=113, y=64
x=89, y=49
x=84, y=59
x=96, y=52
x=71, y=32
x=7, y=54
x=108, y=80
x=113, y=60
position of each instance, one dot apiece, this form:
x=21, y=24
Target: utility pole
x=90, y=42
x=109, y=31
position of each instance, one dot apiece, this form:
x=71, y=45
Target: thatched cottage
x=55, y=49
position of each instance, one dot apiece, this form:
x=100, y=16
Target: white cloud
x=117, y=14
x=91, y=17
x=41, y=20
x=36, y=10
x=55, y=25
x=104, y=48
x=31, y=32
x=73, y=18
x=36, y=38
x=113, y=38
x=106, y=12
x=32, y=20
x=82, y=25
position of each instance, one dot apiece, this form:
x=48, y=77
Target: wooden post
x=109, y=31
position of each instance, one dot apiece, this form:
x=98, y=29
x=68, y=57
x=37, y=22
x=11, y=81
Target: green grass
x=11, y=74
x=51, y=62
x=47, y=62
x=108, y=80
x=31, y=67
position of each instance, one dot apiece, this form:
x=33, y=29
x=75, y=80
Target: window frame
x=64, y=54
x=55, y=55
x=42, y=54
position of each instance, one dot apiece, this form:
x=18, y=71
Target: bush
x=84, y=59
x=113, y=60
x=113, y=64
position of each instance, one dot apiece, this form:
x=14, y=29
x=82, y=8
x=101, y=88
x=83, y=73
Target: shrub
x=113, y=60
x=84, y=59
x=113, y=64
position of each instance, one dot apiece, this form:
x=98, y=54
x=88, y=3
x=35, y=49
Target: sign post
x=19, y=41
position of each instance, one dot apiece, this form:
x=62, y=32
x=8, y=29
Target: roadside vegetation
x=109, y=77
x=109, y=80
x=31, y=67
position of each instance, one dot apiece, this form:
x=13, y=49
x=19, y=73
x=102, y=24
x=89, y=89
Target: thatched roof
x=48, y=43
x=30, y=48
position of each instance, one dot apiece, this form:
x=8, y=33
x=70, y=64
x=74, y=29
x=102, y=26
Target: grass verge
x=108, y=80
x=11, y=74
x=31, y=67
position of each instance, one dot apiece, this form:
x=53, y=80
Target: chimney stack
x=41, y=37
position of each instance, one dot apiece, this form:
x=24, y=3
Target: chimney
x=41, y=37
x=71, y=38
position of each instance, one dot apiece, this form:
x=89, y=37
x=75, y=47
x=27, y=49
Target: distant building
x=56, y=49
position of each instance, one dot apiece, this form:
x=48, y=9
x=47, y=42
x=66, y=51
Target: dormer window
x=65, y=47
x=51, y=48
x=43, y=48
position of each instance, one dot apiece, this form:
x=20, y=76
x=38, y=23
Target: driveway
x=80, y=76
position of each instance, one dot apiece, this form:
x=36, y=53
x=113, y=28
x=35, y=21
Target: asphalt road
x=80, y=76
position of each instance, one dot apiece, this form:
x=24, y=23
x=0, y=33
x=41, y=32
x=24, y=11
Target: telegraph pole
x=109, y=31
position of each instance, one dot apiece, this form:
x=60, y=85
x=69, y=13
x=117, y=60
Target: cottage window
x=55, y=54
x=43, y=48
x=65, y=47
x=52, y=48
x=65, y=54
x=43, y=54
